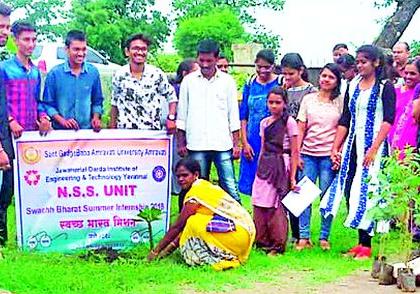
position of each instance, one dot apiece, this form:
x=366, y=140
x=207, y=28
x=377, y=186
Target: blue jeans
x=224, y=166
x=316, y=167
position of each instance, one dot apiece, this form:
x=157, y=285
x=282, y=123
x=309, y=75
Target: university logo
x=31, y=155
x=159, y=173
x=32, y=177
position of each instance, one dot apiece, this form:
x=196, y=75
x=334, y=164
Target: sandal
x=325, y=245
x=303, y=244
x=353, y=251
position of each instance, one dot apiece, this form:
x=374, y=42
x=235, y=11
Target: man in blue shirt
x=73, y=93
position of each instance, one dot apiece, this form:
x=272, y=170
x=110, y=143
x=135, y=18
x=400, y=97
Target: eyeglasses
x=223, y=66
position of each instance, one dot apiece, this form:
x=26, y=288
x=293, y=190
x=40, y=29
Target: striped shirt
x=22, y=92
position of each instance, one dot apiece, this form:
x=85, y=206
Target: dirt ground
x=360, y=282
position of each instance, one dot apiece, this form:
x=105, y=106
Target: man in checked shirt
x=22, y=83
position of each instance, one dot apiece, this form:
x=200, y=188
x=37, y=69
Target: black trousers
x=364, y=238
x=6, y=194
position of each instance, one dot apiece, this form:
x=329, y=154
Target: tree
x=244, y=9
x=44, y=14
x=221, y=25
x=108, y=23
x=398, y=22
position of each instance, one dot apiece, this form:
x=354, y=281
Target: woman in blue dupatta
x=368, y=114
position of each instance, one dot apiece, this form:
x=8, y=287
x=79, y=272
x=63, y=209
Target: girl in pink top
x=275, y=174
x=318, y=121
x=404, y=130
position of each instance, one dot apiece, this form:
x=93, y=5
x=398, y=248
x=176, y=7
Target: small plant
x=149, y=215
x=398, y=198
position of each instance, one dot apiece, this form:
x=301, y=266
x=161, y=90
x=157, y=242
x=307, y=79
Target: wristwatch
x=171, y=117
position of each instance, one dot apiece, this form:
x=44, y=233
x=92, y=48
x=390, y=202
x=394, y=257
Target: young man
x=223, y=63
x=138, y=89
x=400, y=55
x=5, y=12
x=22, y=81
x=6, y=149
x=208, y=118
x=73, y=93
x=339, y=50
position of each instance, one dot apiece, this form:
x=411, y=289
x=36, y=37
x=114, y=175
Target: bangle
x=10, y=119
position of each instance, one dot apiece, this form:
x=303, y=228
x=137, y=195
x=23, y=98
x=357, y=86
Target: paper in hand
x=297, y=202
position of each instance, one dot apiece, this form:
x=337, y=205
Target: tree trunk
x=397, y=23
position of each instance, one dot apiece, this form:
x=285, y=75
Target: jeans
x=6, y=193
x=316, y=167
x=224, y=165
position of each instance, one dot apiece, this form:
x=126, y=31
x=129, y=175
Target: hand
x=4, y=160
x=182, y=151
x=236, y=152
x=44, y=126
x=369, y=157
x=152, y=255
x=16, y=128
x=416, y=110
x=70, y=123
x=293, y=184
x=300, y=163
x=248, y=151
x=96, y=123
x=170, y=126
x=335, y=159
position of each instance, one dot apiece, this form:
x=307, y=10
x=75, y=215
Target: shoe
x=325, y=245
x=354, y=251
x=303, y=244
x=364, y=253
x=272, y=253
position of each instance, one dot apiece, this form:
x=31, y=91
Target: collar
x=67, y=67
x=216, y=75
x=20, y=64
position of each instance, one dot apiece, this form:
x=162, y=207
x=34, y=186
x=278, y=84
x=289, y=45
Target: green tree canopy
x=245, y=9
x=44, y=14
x=108, y=23
x=221, y=25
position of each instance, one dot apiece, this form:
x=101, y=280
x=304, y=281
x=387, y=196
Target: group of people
x=284, y=129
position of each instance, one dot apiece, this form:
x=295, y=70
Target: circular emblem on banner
x=159, y=173
x=31, y=155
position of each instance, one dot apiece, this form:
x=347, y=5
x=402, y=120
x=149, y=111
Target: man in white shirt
x=208, y=118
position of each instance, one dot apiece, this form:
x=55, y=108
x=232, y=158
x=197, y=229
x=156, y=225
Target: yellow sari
x=221, y=250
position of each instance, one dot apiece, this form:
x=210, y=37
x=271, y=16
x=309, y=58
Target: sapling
x=149, y=215
x=398, y=198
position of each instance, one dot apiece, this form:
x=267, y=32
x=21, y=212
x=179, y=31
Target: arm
x=97, y=102
x=299, y=141
x=181, y=122
x=171, y=238
x=115, y=97
x=341, y=134
x=233, y=116
x=388, y=102
x=166, y=90
x=294, y=160
x=244, y=115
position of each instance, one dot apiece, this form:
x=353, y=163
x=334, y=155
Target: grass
x=23, y=272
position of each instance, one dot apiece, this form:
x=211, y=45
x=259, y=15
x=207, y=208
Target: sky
x=313, y=27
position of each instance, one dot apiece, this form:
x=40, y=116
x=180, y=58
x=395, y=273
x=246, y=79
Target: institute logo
x=159, y=173
x=32, y=177
x=31, y=155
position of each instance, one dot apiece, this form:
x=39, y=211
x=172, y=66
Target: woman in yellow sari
x=212, y=229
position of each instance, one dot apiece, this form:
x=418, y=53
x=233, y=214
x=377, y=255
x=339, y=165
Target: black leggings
x=364, y=238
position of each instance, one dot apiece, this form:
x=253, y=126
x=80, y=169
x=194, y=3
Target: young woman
x=347, y=65
x=212, y=229
x=253, y=109
x=318, y=121
x=274, y=177
x=404, y=130
x=368, y=114
x=296, y=83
